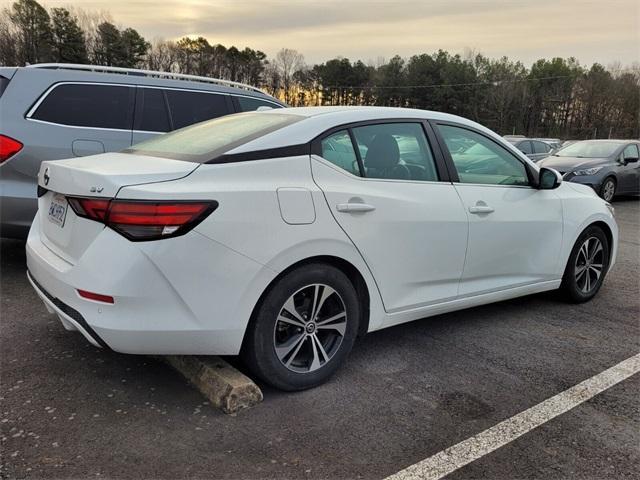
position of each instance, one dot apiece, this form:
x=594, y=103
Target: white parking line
x=465, y=452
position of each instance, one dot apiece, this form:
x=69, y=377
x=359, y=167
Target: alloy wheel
x=589, y=264
x=609, y=190
x=310, y=328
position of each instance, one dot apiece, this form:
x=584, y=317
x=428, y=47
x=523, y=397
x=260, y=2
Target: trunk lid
x=101, y=176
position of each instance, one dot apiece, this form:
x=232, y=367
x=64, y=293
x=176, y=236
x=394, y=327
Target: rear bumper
x=17, y=214
x=176, y=296
x=70, y=318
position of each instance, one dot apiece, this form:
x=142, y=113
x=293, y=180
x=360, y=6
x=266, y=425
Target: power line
x=494, y=83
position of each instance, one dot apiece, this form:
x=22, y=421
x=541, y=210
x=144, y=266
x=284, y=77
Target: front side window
x=249, y=104
x=208, y=140
x=187, y=108
x=397, y=151
x=338, y=149
x=631, y=151
x=540, y=147
x=88, y=105
x=485, y=162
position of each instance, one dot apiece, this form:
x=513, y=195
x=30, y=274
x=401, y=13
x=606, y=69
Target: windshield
x=589, y=149
x=207, y=140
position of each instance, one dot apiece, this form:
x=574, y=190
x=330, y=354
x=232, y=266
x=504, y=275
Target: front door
x=629, y=171
x=383, y=187
x=515, y=230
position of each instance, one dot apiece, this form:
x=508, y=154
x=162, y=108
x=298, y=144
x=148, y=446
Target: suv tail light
x=140, y=220
x=8, y=147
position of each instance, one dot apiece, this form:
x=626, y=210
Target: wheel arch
x=350, y=270
x=608, y=233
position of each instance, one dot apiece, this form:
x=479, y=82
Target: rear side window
x=4, y=82
x=151, y=111
x=86, y=105
x=249, y=104
x=187, y=108
x=338, y=149
x=396, y=151
x=525, y=147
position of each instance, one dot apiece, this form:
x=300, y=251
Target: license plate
x=58, y=210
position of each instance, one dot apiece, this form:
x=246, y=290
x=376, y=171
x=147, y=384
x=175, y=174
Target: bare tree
x=163, y=56
x=287, y=62
x=8, y=40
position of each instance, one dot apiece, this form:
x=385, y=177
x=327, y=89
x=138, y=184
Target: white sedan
x=284, y=235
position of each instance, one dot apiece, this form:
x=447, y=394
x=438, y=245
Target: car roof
x=609, y=140
x=316, y=120
x=56, y=73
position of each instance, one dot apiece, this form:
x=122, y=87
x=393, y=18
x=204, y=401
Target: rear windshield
x=207, y=140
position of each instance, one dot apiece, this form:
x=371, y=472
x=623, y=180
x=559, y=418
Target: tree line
x=553, y=98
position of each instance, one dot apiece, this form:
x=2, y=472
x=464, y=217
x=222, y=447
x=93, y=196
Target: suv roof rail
x=145, y=73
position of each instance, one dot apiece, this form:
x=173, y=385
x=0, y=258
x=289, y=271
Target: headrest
x=383, y=152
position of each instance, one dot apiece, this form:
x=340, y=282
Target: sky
x=604, y=31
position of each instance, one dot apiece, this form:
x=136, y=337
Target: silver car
x=533, y=148
x=55, y=111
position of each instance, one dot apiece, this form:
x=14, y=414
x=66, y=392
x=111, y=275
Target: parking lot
x=71, y=410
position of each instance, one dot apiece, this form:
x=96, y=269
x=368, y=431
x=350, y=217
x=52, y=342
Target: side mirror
x=548, y=179
x=630, y=159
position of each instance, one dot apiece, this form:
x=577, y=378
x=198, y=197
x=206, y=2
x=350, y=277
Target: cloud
x=588, y=29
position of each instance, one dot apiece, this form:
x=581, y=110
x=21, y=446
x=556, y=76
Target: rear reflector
x=95, y=296
x=8, y=147
x=144, y=219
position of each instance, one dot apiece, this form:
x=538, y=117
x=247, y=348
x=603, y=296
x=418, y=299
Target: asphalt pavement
x=69, y=410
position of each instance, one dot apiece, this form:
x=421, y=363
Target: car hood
x=570, y=163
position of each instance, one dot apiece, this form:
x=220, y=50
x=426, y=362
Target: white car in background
x=283, y=235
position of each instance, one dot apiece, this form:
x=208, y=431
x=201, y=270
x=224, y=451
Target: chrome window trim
x=530, y=187
x=47, y=92
x=78, y=126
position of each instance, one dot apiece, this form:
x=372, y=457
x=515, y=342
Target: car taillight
x=144, y=219
x=91, y=208
x=8, y=147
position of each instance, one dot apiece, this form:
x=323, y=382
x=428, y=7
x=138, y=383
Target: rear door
x=515, y=229
x=80, y=119
x=390, y=193
x=160, y=110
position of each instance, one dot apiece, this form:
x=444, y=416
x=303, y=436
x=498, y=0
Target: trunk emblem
x=46, y=176
x=96, y=189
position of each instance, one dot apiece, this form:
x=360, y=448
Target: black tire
x=608, y=189
x=265, y=330
x=572, y=288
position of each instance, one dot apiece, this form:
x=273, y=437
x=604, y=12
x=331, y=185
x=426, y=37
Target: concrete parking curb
x=224, y=386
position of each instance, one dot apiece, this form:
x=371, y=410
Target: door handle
x=355, y=207
x=481, y=208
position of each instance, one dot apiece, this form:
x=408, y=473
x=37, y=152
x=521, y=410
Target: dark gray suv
x=55, y=111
